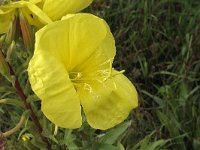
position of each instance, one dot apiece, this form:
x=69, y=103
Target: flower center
x=75, y=76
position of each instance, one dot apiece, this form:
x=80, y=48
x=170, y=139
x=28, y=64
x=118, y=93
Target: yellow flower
x=26, y=137
x=72, y=67
x=34, y=15
x=56, y=9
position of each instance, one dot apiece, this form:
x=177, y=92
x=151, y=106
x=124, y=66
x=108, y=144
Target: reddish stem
x=28, y=106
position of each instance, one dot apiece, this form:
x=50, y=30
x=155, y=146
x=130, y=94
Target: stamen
x=75, y=75
x=120, y=72
x=89, y=88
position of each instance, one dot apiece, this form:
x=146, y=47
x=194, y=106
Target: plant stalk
x=27, y=106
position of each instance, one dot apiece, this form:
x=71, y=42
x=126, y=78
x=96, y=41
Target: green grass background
x=158, y=44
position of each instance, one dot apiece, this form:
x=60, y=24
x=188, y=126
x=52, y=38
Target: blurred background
x=158, y=44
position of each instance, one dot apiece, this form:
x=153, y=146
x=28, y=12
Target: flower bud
x=12, y=31
x=2, y=39
x=4, y=68
x=26, y=137
x=26, y=32
x=10, y=51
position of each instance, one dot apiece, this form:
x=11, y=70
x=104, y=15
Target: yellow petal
x=99, y=65
x=55, y=9
x=73, y=40
x=50, y=81
x=35, y=15
x=108, y=104
x=35, y=1
x=5, y=19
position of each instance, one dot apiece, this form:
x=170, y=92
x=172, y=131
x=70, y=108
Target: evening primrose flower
x=34, y=15
x=72, y=67
x=56, y=9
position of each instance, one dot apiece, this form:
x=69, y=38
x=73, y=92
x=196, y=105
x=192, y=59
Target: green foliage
x=158, y=42
x=158, y=45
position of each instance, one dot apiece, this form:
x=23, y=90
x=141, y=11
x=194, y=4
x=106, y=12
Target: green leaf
x=157, y=99
x=153, y=145
x=147, y=144
x=120, y=146
x=50, y=136
x=196, y=144
x=107, y=147
x=112, y=136
x=169, y=121
x=69, y=139
x=14, y=102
